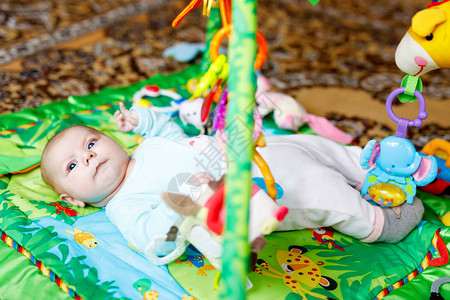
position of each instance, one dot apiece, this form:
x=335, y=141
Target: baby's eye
x=72, y=166
x=91, y=144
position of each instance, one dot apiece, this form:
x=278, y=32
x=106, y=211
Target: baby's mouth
x=98, y=167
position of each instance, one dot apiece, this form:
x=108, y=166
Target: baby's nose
x=89, y=156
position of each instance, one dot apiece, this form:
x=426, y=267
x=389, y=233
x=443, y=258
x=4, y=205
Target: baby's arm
x=126, y=120
x=148, y=123
x=152, y=124
x=140, y=220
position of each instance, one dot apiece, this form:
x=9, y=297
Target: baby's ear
x=68, y=199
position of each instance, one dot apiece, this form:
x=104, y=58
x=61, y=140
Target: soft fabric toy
x=203, y=222
x=289, y=114
x=189, y=113
x=184, y=52
x=426, y=45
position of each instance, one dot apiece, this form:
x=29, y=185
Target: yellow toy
x=426, y=45
x=439, y=148
x=218, y=70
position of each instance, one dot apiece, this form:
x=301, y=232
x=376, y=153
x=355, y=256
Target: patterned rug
x=30, y=26
x=335, y=58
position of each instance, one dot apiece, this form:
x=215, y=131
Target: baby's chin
x=97, y=195
x=110, y=173
x=99, y=201
x=105, y=193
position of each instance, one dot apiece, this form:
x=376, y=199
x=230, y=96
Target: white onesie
x=316, y=177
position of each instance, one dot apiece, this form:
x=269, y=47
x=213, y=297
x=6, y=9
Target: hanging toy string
x=401, y=122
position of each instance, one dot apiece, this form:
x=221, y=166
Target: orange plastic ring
x=225, y=12
x=267, y=175
x=216, y=41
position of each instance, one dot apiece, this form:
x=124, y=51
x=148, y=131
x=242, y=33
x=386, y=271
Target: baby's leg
x=311, y=172
x=318, y=176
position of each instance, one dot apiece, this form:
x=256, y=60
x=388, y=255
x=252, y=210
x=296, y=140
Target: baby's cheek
x=110, y=174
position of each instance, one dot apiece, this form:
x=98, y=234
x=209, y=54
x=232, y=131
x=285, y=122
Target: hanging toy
x=424, y=47
x=397, y=167
x=207, y=4
x=189, y=113
x=219, y=69
x=203, y=220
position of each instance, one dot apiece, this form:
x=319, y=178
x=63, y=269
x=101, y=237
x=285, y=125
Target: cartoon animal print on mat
x=60, y=208
x=325, y=236
x=143, y=286
x=298, y=270
x=194, y=257
x=84, y=238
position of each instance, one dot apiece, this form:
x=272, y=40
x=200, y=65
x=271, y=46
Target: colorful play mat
x=49, y=243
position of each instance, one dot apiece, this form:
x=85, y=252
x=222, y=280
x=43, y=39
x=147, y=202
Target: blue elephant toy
x=397, y=169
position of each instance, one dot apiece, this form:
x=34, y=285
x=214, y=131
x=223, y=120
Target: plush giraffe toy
x=426, y=45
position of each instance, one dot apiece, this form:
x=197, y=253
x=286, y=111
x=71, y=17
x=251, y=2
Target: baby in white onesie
x=318, y=179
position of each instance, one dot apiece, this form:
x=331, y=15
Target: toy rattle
x=397, y=167
x=154, y=91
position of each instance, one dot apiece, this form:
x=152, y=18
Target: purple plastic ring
x=422, y=115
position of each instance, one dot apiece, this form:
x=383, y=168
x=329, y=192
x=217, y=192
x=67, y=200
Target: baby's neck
x=129, y=169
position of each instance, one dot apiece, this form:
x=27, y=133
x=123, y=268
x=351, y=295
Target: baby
x=319, y=179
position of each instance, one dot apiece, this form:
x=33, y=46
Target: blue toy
x=397, y=167
x=397, y=163
x=184, y=52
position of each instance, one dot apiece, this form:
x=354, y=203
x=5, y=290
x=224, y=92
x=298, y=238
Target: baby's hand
x=126, y=120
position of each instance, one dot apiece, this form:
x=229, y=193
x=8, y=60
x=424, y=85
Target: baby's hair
x=45, y=173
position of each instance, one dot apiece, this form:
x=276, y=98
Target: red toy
x=441, y=150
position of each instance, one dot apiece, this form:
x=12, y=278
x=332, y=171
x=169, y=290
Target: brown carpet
x=335, y=58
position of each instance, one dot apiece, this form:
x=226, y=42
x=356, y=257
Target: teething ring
x=226, y=30
x=156, y=242
x=154, y=91
x=422, y=115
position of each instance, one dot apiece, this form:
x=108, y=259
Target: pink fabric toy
x=289, y=114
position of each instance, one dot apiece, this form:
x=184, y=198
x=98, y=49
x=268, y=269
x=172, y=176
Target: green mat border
x=37, y=286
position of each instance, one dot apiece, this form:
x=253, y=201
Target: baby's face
x=87, y=165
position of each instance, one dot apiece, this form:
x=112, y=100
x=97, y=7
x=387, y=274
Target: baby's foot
x=399, y=221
